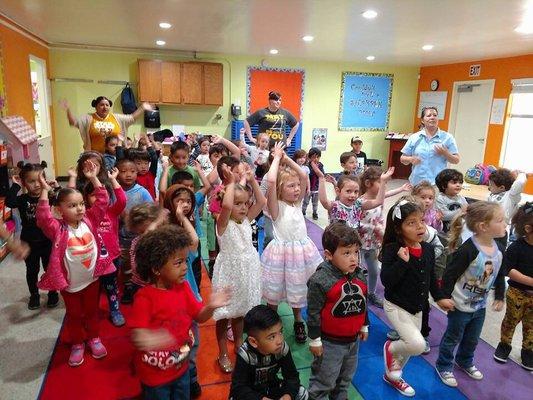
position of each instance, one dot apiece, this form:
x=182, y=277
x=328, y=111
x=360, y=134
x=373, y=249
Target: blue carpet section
x=418, y=372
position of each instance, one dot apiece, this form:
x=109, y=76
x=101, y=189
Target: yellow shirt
x=100, y=128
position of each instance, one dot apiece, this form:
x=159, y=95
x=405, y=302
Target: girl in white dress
x=291, y=257
x=237, y=264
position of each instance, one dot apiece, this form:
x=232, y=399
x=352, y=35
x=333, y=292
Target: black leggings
x=39, y=251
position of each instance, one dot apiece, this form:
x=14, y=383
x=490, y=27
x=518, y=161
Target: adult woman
x=95, y=127
x=272, y=120
x=430, y=150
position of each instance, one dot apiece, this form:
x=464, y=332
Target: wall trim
x=8, y=22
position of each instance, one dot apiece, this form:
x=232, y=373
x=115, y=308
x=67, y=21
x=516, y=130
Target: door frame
x=455, y=105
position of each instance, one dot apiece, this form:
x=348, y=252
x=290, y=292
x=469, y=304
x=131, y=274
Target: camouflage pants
x=519, y=308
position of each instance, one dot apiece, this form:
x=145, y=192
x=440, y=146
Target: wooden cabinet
x=172, y=82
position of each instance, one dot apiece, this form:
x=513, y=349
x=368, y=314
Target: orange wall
x=502, y=70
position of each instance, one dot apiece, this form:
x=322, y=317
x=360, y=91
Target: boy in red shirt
x=146, y=163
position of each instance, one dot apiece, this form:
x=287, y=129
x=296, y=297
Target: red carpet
x=111, y=378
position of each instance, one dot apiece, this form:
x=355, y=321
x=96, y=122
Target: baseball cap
x=356, y=139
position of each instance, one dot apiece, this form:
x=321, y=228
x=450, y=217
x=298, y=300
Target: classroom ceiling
x=459, y=30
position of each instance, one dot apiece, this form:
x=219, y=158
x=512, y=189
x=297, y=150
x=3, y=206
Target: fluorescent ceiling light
x=427, y=47
x=160, y=42
x=165, y=25
x=274, y=51
x=370, y=14
x=371, y=58
x=308, y=38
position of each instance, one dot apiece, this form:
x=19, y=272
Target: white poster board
x=498, y=111
x=433, y=99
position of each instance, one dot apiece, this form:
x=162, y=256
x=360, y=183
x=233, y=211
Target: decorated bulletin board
x=365, y=101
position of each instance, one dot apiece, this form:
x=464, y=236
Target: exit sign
x=474, y=70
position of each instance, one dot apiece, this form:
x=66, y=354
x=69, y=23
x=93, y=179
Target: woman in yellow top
x=95, y=127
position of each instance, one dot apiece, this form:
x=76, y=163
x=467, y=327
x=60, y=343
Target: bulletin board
x=365, y=101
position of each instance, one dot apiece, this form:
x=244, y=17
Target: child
x=357, y=144
x=179, y=156
x=203, y=158
x=108, y=230
x=19, y=249
x=449, y=201
x=163, y=313
x=348, y=163
x=146, y=162
x=335, y=327
x=261, y=357
x=77, y=259
x=407, y=274
x=506, y=189
x=291, y=257
x=110, y=155
x=78, y=180
x=40, y=245
x=425, y=193
x=519, y=267
x=349, y=205
x=314, y=157
x=237, y=263
x=236, y=167
x=372, y=226
x=471, y=271
x=259, y=151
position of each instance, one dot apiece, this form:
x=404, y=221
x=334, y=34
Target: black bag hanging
x=127, y=100
x=151, y=118
x=160, y=136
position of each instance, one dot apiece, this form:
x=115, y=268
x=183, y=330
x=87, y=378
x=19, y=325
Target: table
x=475, y=192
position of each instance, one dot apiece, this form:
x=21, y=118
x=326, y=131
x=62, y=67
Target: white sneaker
x=447, y=377
x=473, y=372
x=400, y=385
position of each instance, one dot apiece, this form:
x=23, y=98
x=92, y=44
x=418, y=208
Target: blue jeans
x=464, y=328
x=178, y=389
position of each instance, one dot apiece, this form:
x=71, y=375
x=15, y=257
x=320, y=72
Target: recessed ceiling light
x=370, y=14
x=274, y=51
x=308, y=38
x=427, y=47
x=525, y=29
x=160, y=42
x=165, y=25
x=371, y=58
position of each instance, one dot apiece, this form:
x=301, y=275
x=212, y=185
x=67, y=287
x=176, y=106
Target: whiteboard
x=433, y=99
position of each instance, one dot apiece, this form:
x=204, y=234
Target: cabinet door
x=150, y=81
x=191, y=83
x=170, y=82
x=213, y=88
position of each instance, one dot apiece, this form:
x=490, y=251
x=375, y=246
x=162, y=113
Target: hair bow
x=397, y=212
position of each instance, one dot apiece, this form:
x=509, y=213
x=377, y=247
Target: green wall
x=321, y=98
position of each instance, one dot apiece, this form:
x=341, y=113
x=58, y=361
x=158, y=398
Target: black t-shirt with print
x=519, y=256
x=272, y=122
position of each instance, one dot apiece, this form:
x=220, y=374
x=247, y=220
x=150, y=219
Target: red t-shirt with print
x=173, y=309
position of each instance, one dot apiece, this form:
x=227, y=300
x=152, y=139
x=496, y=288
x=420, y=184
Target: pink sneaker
x=76, y=354
x=393, y=368
x=97, y=348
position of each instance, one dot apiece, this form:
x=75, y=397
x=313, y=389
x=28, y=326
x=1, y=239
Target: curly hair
x=445, y=176
x=371, y=174
x=139, y=214
x=523, y=218
x=502, y=177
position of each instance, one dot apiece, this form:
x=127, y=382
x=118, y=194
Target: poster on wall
x=365, y=101
x=433, y=99
x=3, y=98
x=319, y=138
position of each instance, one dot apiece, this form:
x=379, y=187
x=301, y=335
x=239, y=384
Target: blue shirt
x=191, y=256
x=431, y=163
x=199, y=200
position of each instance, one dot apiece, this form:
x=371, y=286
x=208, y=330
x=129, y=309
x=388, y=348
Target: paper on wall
x=497, y=113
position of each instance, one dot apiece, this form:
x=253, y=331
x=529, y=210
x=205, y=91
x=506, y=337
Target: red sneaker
x=400, y=385
x=393, y=368
x=97, y=348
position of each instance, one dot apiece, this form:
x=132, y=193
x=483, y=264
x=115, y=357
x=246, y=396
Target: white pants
x=411, y=342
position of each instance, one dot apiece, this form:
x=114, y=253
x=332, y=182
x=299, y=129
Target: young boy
x=314, y=156
x=449, y=201
x=337, y=314
x=261, y=357
x=179, y=156
x=506, y=188
x=349, y=163
x=360, y=155
x=146, y=163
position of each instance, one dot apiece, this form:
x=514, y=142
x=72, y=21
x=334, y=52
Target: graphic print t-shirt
x=80, y=257
x=272, y=122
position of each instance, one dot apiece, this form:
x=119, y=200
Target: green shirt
x=195, y=177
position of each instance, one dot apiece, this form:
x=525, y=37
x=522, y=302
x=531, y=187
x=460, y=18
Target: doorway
x=40, y=93
x=469, y=120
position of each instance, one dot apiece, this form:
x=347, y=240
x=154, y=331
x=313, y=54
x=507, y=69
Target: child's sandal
x=225, y=364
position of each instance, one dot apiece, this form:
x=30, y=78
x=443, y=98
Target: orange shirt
x=100, y=128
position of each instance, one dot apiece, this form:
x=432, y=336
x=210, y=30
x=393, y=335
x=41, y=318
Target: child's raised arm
x=406, y=187
x=373, y=203
x=234, y=150
x=206, y=188
x=272, y=177
x=72, y=176
x=260, y=199
x=180, y=216
x=301, y=174
x=322, y=195
x=227, y=201
x=163, y=181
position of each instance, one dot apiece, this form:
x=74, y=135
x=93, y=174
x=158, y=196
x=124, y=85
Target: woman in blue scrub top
x=430, y=150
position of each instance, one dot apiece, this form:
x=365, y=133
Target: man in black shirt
x=272, y=120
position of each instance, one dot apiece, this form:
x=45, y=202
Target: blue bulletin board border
x=350, y=119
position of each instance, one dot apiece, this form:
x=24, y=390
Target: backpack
x=479, y=174
x=127, y=100
x=486, y=171
x=152, y=119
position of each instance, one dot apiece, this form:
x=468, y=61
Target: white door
x=469, y=120
x=41, y=110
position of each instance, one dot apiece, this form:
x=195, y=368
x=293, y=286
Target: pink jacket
x=108, y=228
x=56, y=275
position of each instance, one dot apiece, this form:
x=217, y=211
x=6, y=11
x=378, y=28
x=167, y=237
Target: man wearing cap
x=272, y=120
x=360, y=155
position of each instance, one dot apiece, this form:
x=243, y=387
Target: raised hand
x=278, y=150
x=43, y=182
x=72, y=172
x=403, y=253
x=387, y=175
x=197, y=166
x=179, y=211
x=248, y=173
x=16, y=179
x=89, y=169
x=217, y=138
x=407, y=187
x=148, y=339
x=228, y=175
x=53, y=184
x=147, y=106
x=63, y=103
x=113, y=174
x=166, y=163
x=220, y=298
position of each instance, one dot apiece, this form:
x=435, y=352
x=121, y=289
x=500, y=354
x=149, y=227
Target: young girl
x=203, y=158
x=372, y=226
x=258, y=152
x=407, y=274
x=291, y=257
x=425, y=192
x=519, y=266
x=300, y=157
x=237, y=264
x=471, y=271
x=78, y=180
x=77, y=259
x=40, y=245
x=108, y=229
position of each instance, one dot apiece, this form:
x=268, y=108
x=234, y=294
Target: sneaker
x=195, y=390
x=53, y=299
x=315, y=216
x=375, y=300
x=400, y=385
x=427, y=349
x=527, y=359
x=393, y=335
x=97, y=348
x=299, y=332
x=117, y=318
x=501, y=354
x=473, y=372
x=76, y=355
x=35, y=302
x=393, y=368
x=447, y=377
